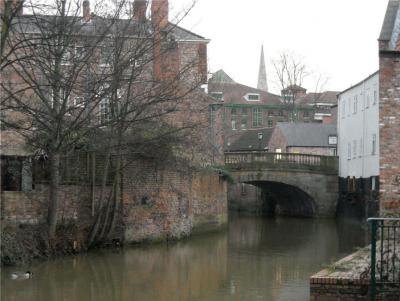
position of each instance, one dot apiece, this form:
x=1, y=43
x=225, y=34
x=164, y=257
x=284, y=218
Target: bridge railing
x=281, y=160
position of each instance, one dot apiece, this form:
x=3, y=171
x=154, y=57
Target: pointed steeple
x=262, y=73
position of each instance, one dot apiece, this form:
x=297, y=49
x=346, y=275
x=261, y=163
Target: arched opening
x=279, y=199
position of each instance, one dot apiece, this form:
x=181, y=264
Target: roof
x=249, y=140
x=307, y=134
x=324, y=97
x=221, y=77
x=294, y=88
x=376, y=73
x=234, y=93
x=99, y=25
x=390, y=20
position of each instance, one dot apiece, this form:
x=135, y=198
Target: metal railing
x=385, y=255
x=251, y=160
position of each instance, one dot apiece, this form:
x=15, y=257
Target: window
x=253, y=97
x=280, y=113
x=243, y=123
x=354, y=149
x=80, y=53
x=16, y=173
x=105, y=111
x=271, y=113
x=233, y=118
x=244, y=190
x=257, y=117
x=375, y=97
x=306, y=114
x=79, y=102
x=63, y=97
x=217, y=95
x=270, y=123
x=105, y=55
x=349, y=110
x=343, y=109
x=367, y=99
x=67, y=56
x=349, y=151
x=373, y=144
x=355, y=104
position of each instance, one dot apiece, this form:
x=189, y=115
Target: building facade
x=389, y=111
x=159, y=200
x=358, y=129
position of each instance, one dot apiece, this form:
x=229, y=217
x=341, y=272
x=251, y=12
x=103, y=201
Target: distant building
x=304, y=138
x=324, y=105
x=246, y=108
x=358, y=129
x=251, y=140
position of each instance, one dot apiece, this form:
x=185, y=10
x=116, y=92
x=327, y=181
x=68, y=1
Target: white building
x=358, y=131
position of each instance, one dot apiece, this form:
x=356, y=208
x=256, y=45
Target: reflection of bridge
x=304, y=185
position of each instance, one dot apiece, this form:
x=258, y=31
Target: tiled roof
x=324, y=97
x=220, y=77
x=234, y=93
x=307, y=134
x=26, y=23
x=249, y=140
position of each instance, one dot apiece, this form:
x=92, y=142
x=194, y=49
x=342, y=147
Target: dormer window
x=217, y=95
x=252, y=97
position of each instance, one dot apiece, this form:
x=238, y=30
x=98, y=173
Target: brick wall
x=389, y=119
x=277, y=141
x=161, y=203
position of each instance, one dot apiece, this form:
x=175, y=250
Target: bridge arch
x=306, y=184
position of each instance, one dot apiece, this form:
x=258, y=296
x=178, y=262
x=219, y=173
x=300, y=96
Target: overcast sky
x=336, y=37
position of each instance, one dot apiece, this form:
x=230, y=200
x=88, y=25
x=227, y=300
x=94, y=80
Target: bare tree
x=290, y=72
x=88, y=82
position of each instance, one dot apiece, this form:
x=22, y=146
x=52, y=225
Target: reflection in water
x=257, y=259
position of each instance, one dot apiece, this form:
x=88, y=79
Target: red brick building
x=389, y=111
x=159, y=200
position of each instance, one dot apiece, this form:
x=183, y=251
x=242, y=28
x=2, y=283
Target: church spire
x=262, y=74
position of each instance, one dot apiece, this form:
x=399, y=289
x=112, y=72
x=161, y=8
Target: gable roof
x=249, y=141
x=324, y=97
x=221, y=77
x=307, y=134
x=234, y=93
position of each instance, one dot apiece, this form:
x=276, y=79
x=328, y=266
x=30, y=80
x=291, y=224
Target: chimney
x=139, y=10
x=159, y=13
x=16, y=7
x=86, y=11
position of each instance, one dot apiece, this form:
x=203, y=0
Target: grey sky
x=336, y=37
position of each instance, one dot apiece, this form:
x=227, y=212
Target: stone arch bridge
x=295, y=184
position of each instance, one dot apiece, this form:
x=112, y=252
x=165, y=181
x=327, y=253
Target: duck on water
x=21, y=275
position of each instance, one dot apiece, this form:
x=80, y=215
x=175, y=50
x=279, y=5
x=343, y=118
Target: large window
x=257, y=117
x=16, y=173
x=234, y=119
x=104, y=111
x=243, y=124
x=373, y=144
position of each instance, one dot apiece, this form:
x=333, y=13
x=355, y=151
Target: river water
x=255, y=259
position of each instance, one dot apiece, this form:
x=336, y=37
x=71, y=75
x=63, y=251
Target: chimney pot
x=86, y=11
x=159, y=13
x=139, y=10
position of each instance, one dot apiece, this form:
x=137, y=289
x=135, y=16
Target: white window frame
x=247, y=97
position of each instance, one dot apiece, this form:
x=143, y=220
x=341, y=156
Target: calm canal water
x=256, y=259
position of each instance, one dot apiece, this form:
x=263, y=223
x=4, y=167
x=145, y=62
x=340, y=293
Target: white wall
x=357, y=126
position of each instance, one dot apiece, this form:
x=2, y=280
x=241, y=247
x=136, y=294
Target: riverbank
x=349, y=279
x=256, y=259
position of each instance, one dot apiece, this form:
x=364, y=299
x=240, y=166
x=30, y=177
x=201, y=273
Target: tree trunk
x=53, y=194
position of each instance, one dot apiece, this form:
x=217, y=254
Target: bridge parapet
x=253, y=161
